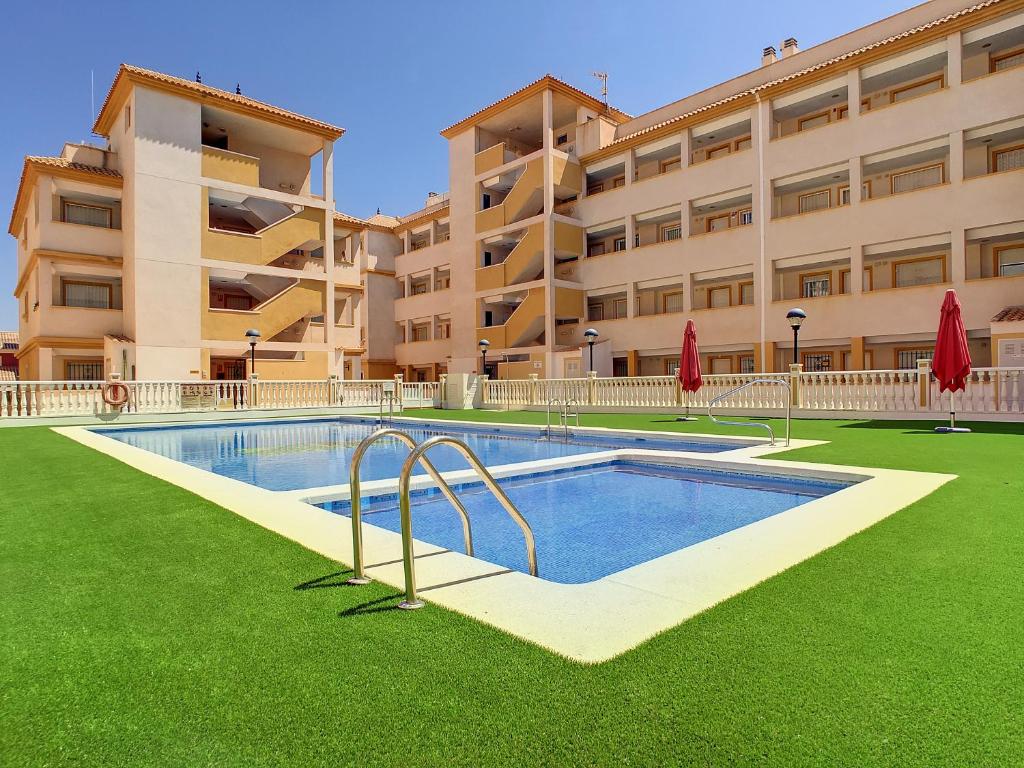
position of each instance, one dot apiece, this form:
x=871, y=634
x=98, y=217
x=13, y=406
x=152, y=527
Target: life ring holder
x=116, y=394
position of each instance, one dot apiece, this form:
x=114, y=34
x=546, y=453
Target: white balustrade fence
x=32, y=399
x=988, y=391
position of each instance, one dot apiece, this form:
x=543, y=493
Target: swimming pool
x=293, y=454
x=593, y=521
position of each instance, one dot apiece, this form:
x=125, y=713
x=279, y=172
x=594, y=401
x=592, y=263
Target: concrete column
x=761, y=206
x=433, y=232
x=329, y=319
x=856, y=269
x=955, y=172
x=405, y=242
x=684, y=148
x=795, y=369
x=853, y=94
x=630, y=166
x=549, y=231
x=954, y=60
x=630, y=299
x=856, y=353
x=856, y=178
x=957, y=256
x=633, y=362
x=768, y=355
x=630, y=232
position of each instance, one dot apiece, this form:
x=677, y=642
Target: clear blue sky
x=392, y=73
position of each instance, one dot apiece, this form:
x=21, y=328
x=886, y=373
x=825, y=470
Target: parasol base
x=952, y=429
x=686, y=418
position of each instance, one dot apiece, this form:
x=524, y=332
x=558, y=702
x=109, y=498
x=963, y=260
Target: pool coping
x=591, y=622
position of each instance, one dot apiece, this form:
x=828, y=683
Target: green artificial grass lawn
x=142, y=625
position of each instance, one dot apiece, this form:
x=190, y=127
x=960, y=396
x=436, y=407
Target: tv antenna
x=603, y=77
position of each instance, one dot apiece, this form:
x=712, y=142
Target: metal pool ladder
x=744, y=385
x=355, y=500
x=563, y=415
x=404, y=506
x=390, y=399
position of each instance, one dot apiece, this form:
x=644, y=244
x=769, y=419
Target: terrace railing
x=39, y=399
x=989, y=391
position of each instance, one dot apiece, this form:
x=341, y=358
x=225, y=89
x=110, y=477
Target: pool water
x=294, y=454
x=594, y=521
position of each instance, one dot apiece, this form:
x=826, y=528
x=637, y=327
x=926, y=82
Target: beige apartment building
x=858, y=180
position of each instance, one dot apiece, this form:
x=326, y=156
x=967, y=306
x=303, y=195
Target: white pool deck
x=590, y=622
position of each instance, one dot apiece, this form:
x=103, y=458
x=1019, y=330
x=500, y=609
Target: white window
x=813, y=121
x=90, y=215
x=815, y=201
x=818, y=361
x=746, y=364
x=620, y=244
x=907, y=358
x=83, y=370
x=1010, y=260
x=420, y=333
x=812, y=286
x=917, y=179
x=999, y=63
x=910, y=91
x=85, y=294
x=1008, y=159
x=918, y=272
x=674, y=301
x=671, y=232
x=746, y=217
x=720, y=297
x=746, y=293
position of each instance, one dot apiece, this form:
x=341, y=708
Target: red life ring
x=115, y=394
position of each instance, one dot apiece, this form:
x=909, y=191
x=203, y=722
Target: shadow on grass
x=928, y=427
x=380, y=605
x=330, y=580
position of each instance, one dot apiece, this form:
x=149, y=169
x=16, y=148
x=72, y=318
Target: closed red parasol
x=951, y=363
x=689, y=364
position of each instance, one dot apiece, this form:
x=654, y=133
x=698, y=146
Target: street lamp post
x=483, y=344
x=591, y=336
x=796, y=317
x=253, y=336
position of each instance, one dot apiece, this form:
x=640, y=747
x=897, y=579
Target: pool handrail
x=547, y=427
x=566, y=413
x=744, y=385
x=389, y=398
x=405, y=510
x=355, y=502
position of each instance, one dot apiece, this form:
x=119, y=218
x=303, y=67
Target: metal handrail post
x=355, y=501
x=547, y=427
x=744, y=385
x=405, y=510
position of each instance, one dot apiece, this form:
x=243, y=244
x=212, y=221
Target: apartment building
x=858, y=179
x=206, y=215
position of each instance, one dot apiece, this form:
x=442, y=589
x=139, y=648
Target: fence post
x=591, y=386
x=795, y=371
x=332, y=385
x=399, y=378
x=679, y=392
x=442, y=390
x=533, y=388
x=480, y=395
x=253, y=385
x=923, y=380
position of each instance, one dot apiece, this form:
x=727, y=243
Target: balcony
x=660, y=226
x=720, y=138
x=234, y=167
x=994, y=148
x=299, y=301
x=657, y=158
x=810, y=108
x=814, y=277
x=605, y=238
x=904, y=77
x=995, y=251
x=718, y=213
x=524, y=325
x=811, y=191
x=905, y=170
x=493, y=157
x=258, y=232
x=714, y=290
x=993, y=47
x=522, y=260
